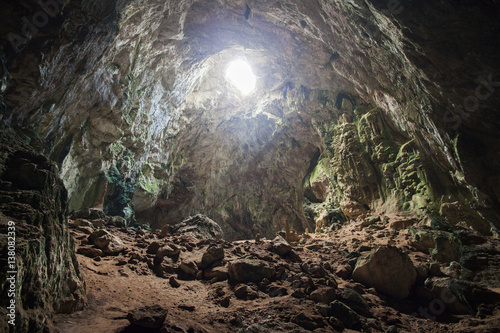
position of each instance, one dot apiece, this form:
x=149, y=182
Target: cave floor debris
x=318, y=269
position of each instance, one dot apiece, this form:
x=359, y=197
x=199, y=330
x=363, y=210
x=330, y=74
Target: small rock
x=344, y=272
x=189, y=267
x=173, y=282
x=164, y=232
x=276, y=291
x=364, y=248
x=369, y=221
x=323, y=295
x=98, y=223
x=293, y=256
x=435, y=269
x=454, y=270
x=121, y=262
x=186, y=307
x=167, y=251
x=309, y=322
x=355, y=301
x=225, y=301
x=317, y=271
x=346, y=315
x=299, y=293
x=244, y=292
x=257, y=238
x=323, y=309
x=148, y=316
x=153, y=248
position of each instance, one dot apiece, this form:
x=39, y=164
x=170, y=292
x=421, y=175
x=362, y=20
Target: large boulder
x=387, y=269
x=280, y=246
x=213, y=255
x=198, y=226
x=249, y=270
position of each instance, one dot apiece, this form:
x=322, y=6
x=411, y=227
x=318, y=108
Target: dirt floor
x=132, y=278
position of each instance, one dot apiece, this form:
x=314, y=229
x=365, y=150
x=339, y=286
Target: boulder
x=198, y=226
x=280, y=246
x=189, y=267
x=213, y=255
x=355, y=301
x=249, y=270
x=107, y=242
x=324, y=295
x=167, y=251
x=148, y=317
x=387, y=269
x=348, y=317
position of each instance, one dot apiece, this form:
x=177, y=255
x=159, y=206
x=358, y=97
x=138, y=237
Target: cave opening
x=326, y=160
x=240, y=74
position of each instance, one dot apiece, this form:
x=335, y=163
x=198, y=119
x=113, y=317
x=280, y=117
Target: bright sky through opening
x=240, y=74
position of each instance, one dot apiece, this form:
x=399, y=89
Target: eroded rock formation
x=351, y=109
x=378, y=114
x=48, y=277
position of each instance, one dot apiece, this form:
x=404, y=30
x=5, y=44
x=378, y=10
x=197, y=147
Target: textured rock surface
x=358, y=105
x=198, y=226
x=387, y=269
x=310, y=293
x=49, y=279
x=249, y=270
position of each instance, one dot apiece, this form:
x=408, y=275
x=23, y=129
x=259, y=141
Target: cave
x=250, y=166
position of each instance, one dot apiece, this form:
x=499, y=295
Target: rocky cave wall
x=359, y=105
x=49, y=278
